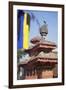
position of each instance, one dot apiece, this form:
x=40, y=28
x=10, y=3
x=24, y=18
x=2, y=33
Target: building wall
x=41, y=73
x=47, y=74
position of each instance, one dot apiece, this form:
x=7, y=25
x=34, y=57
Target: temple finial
x=44, y=30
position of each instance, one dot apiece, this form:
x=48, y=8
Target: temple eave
x=40, y=60
x=41, y=47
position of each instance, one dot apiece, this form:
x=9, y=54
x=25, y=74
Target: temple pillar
x=31, y=74
x=55, y=71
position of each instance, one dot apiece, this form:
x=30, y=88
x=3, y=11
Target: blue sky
x=51, y=17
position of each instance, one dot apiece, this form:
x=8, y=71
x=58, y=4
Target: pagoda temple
x=42, y=59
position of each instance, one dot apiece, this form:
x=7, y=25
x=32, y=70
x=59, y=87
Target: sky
x=51, y=18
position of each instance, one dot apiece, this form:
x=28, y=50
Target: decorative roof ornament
x=44, y=30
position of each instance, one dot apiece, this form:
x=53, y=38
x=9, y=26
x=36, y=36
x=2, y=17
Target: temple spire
x=44, y=30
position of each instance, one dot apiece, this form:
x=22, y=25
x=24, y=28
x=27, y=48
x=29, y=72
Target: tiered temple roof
x=41, y=50
x=42, y=47
x=40, y=44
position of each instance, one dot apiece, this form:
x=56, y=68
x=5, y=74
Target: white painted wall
x=4, y=44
